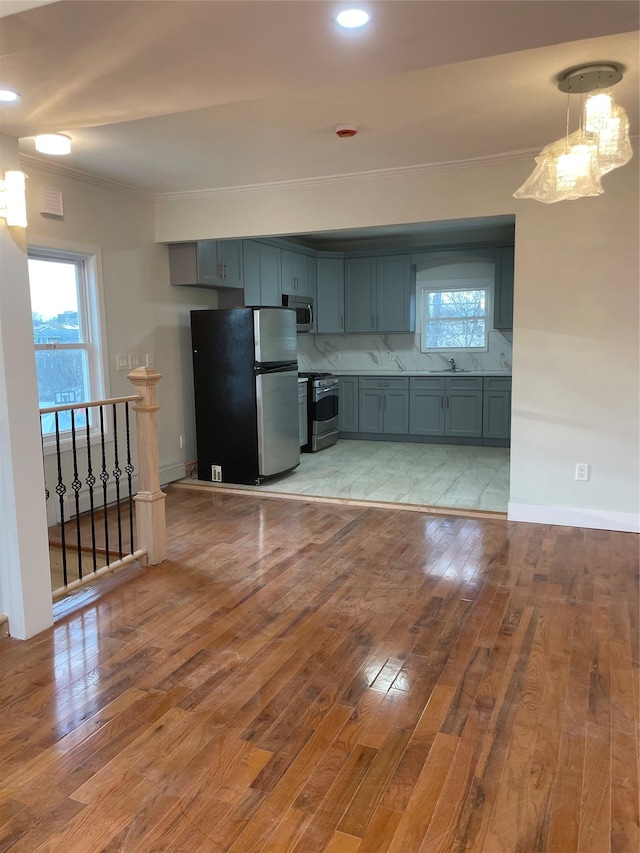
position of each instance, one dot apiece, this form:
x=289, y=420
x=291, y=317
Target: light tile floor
x=423, y=474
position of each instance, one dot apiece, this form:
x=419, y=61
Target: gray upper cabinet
x=379, y=295
x=360, y=295
x=503, y=290
x=329, y=304
x=261, y=274
x=206, y=263
x=298, y=274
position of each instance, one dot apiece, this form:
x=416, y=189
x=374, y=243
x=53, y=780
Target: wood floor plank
x=315, y=677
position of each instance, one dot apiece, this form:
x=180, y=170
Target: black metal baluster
x=104, y=477
x=91, y=481
x=117, y=473
x=129, y=471
x=60, y=490
x=76, y=485
x=44, y=470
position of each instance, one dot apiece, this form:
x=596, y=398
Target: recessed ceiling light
x=8, y=96
x=53, y=143
x=352, y=18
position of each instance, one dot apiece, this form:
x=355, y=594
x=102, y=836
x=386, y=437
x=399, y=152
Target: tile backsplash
x=398, y=353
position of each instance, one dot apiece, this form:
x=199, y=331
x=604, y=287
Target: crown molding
x=351, y=177
x=87, y=177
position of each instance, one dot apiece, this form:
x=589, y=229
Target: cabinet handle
x=224, y=267
x=219, y=270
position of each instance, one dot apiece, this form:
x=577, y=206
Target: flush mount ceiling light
x=571, y=167
x=8, y=96
x=53, y=143
x=352, y=18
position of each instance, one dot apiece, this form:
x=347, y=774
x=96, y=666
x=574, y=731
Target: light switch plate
x=122, y=361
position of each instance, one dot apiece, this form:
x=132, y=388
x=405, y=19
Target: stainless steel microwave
x=303, y=306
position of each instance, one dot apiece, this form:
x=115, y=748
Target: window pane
x=62, y=377
x=457, y=334
x=54, y=301
x=456, y=303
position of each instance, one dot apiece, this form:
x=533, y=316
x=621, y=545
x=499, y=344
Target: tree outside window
x=454, y=317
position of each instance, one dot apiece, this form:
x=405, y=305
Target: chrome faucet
x=452, y=362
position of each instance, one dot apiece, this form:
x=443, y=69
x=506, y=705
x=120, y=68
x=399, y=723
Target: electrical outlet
x=183, y=441
x=582, y=471
x=122, y=361
x=134, y=360
x=336, y=357
x=216, y=473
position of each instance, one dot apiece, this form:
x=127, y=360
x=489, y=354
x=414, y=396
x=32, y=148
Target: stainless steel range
x=322, y=409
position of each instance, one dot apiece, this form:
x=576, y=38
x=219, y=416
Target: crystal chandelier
x=572, y=166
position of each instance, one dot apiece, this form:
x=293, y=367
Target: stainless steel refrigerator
x=245, y=373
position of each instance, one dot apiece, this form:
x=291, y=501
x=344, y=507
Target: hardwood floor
x=310, y=677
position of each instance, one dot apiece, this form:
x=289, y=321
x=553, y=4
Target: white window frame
x=91, y=313
x=450, y=285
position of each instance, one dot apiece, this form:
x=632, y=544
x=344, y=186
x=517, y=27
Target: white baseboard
x=598, y=519
x=169, y=473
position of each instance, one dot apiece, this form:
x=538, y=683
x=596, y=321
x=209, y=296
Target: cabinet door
x=251, y=264
x=396, y=412
x=395, y=295
x=294, y=273
x=463, y=413
x=496, y=417
x=370, y=411
x=329, y=304
x=348, y=404
x=359, y=291
x=207, y=261
x=503, y=289
x=426, y=412
x=270, y=276
x=261, y=274
x=230, y=262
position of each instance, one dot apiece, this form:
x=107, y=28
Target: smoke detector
x=344, y=131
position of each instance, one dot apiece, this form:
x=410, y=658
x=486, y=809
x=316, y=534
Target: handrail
x=134, y=398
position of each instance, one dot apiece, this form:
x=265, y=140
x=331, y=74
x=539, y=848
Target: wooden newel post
x=150, y=515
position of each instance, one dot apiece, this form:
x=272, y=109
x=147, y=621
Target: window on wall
x=455, y=315
x=66, y=332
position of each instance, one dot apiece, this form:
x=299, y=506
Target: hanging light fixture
x=571, y=167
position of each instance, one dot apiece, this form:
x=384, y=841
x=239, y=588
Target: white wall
x=575, y=345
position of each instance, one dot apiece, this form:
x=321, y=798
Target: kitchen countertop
x=408, y=373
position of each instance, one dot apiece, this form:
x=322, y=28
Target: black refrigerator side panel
x=225, y=394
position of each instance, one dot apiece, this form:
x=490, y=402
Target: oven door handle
x=320, y=392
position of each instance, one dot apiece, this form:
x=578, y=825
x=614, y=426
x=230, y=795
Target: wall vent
x=51, y=201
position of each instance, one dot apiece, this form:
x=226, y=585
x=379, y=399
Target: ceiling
x=189, y=96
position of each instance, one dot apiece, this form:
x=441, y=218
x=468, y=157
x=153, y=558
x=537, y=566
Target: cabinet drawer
x=427, y=383
x=395, y=383
x=495, y=383
x=464, y=383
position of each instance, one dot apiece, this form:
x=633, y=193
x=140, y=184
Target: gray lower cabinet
x=443, y=406
x=206, y=263
x=261, y=274
x=329, y=304
x=348, y=404
x=496, y=417
x=463, y=408
x=426, y=406
x=384, y=406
